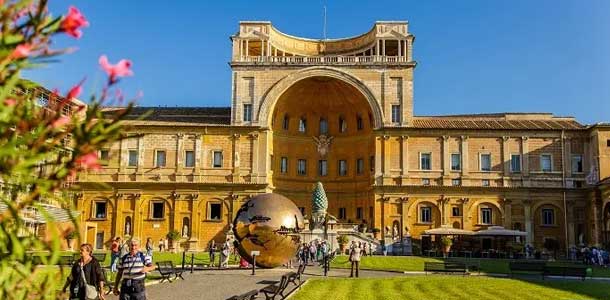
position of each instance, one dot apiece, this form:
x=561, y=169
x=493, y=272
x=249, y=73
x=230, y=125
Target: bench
x=445, y=267
x=167, y=269
x=273, y=290
x=526, y=266
x=251, y=295
x=572, y=271
x=297, y=276
x=66, y=260
x=471, y=264
x=100, y=256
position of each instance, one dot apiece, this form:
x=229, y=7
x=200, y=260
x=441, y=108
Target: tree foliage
x=43, y=146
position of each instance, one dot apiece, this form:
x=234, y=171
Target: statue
x=395, y=232
x=185, y=231
x=128, y=228
x=323, y=144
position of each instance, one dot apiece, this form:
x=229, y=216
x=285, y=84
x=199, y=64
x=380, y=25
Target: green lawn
x=416, y=263
x=201, y=258
x=450, y=287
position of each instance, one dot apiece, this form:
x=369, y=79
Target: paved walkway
x=222, y=284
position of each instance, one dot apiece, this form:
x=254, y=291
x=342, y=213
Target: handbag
x=90, y=290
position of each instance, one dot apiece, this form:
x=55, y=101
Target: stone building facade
x=341, y=112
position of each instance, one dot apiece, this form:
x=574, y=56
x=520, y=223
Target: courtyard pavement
x=222, y=284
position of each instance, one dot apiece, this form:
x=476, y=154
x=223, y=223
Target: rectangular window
x=456, y=162
x=425, y=181
x=302, y=125
x=284, y=165
x=360, y=166
x=217, y=159
x=322, y=167
x=546, y=163
x=285, y=123
x=485, y=162
x=456, y=182
x=425, y=214
x=189, y=159
x=160, y=159
x=359, y=213
x=215, y=211
x=133, y=158
x=486, y=216
x=342, y=214
x=395, y=113
x=302, y=167
x=515, y=163
x=455, y=211
x=104, y=156
x=247, y=112
x=548, y=216
x=426, y=161
x=485, y=182
x=576, y=163
x=158, y=210
x=608, y=143
x=359, y=123
x=342, y=167
x=323, y=126
x=100, y=210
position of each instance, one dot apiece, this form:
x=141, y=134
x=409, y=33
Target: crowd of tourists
x=593, y=256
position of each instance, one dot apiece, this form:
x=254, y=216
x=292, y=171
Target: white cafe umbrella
x=499, y=231
x=447, y=230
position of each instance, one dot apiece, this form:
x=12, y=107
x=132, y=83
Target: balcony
x=322, y=60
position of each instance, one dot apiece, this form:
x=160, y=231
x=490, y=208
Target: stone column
x=386, y=157
x=443, y=204
x=525, y=168
x=404, y=152
x=508, y=214
x=378, y=159
x=596, y=226
x=506, y=156
x=527, y=208
x=446, y=156
x=570, y=221
x=236, y=158
x=404, y=212
x=464, y=152
x=254, y=170
x=399, y=48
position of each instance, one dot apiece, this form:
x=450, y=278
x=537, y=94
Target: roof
x=503, y=121
x=199, y=115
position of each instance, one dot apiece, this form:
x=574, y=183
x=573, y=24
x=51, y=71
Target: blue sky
x=473, y=56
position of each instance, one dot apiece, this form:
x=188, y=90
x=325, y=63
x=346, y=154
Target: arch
x=270, y=98
x=413, y=212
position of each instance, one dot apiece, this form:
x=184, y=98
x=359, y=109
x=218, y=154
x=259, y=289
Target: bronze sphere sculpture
x=268, y=223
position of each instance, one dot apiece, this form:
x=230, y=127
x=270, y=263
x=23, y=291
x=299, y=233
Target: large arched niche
x=267, y=108
x=328, y=99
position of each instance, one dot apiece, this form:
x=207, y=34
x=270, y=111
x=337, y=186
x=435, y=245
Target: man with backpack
x=133, y=267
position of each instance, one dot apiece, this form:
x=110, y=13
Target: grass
x=416, y=263
x=450, y=287
x=201, y=258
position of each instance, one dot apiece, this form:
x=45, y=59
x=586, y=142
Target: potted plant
x=375, y=232
x=173, y=236
x=69, y=238
x=447, y=242
x=342, y=241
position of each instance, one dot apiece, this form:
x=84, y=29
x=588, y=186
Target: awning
x=447, y=230
x=499, y=231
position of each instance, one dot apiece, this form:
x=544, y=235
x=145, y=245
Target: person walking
x=86, y=277
x=304, y=253
x=115, y=253
x=212, y=252
x=149, y=247
x=312, y=252
x=132, y=269
x=224, y=254
x=354, y=258
x=161, y=245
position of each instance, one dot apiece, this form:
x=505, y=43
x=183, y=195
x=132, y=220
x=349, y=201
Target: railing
x=317, y=60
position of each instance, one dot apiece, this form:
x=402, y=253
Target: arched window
x=302, y=124
x=285, y=122
x=323, y=126
x=342, y=124
x=359, y=123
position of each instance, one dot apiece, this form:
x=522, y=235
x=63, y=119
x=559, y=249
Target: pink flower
x=21, y=51
x=10, y=102
x=88, y=161
x=60, y=122
x=75, y=91
x=121, y=69
x=72, y=23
